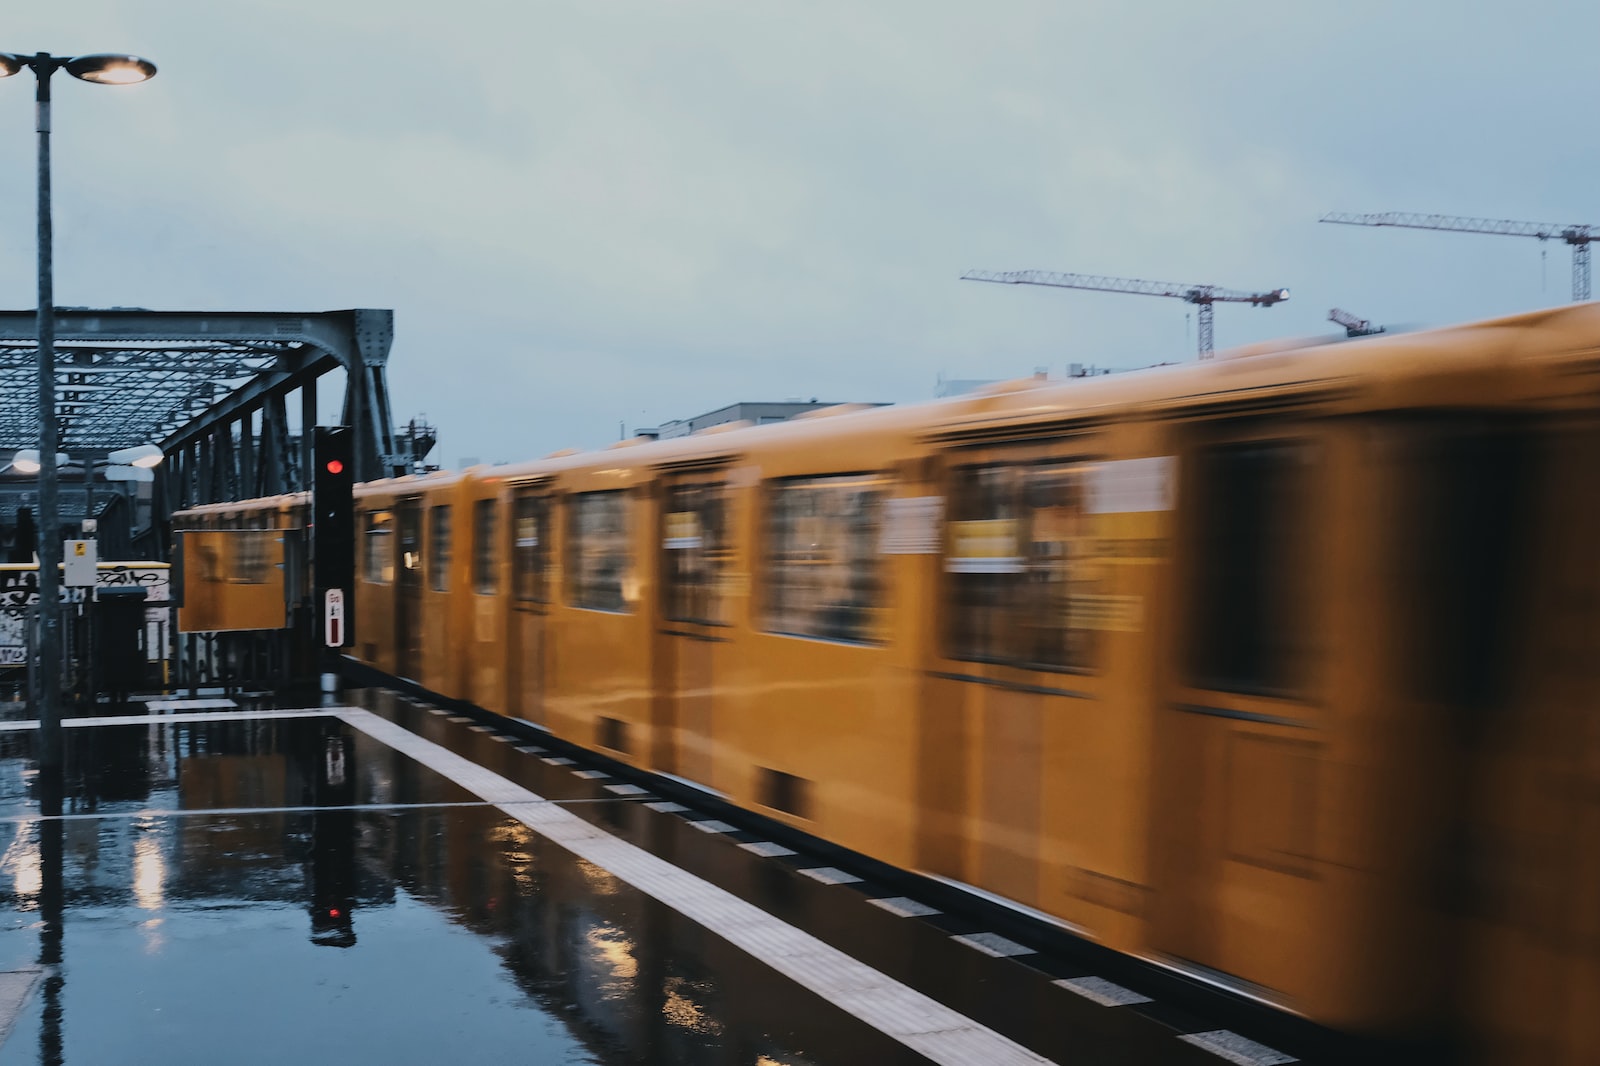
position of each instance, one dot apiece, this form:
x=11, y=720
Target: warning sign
x=333, y=618
x=78, y=564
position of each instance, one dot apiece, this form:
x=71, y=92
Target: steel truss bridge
x=214, y=389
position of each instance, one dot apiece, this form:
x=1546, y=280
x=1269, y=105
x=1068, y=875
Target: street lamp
x=135, y=464
x=102, y=69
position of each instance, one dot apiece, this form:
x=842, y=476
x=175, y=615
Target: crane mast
x=1578, y=235
x=1202, y=296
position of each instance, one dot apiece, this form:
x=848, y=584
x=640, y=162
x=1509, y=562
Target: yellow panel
x=232, y=580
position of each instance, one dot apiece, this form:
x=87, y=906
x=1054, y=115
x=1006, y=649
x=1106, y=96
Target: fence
x=109, y=638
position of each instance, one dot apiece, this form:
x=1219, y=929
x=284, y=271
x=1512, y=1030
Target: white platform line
x=919, y=1022
x=175, y=718
x=190, y=705
x=15, y=988
x=229, y=812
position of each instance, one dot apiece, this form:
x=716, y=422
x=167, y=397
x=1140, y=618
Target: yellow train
x=1279, y=669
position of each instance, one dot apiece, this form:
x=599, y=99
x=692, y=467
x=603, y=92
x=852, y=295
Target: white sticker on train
x=911, y=525
x=1124, y=486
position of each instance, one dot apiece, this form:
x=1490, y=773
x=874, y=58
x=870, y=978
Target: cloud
x=585, y=212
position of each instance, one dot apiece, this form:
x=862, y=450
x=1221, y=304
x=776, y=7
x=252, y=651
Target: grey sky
x=586, y=213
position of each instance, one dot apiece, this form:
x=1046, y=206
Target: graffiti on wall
x=19, y=590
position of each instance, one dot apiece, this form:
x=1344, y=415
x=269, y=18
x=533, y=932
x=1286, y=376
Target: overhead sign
x=333, y=618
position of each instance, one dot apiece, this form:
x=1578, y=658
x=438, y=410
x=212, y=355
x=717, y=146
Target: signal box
x=333, y=529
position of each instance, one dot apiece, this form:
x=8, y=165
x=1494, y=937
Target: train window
x=439, y=548
x=1020, y=569
x=377, y=545
x=1461, y=559
x=484, y=553
x=531, y=548
x=408, y=528
x=822, y=576
x=695, y=551
x=1248, y=608
x=599, y=559
x=252, y=552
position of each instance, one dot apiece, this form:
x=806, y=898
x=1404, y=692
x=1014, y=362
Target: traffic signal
x=333, y=522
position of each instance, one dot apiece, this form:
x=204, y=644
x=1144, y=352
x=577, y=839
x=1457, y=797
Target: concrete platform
x=384, y=882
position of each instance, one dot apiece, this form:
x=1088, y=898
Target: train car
x=1272, y=670
x=410, y=614
x=233, y=587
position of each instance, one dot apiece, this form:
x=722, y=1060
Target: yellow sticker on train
x=681, y=530
x=1116, y=614
x=986, y=546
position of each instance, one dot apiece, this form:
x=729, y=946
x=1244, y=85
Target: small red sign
x=333, y=618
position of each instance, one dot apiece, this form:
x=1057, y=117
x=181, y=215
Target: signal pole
x=333, y=543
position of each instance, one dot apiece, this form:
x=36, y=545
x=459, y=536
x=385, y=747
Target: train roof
x=287, y=499
x=1373, y=362
x=1376, y=363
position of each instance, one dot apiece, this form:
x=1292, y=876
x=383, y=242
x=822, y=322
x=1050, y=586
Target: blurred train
x=1280, y=670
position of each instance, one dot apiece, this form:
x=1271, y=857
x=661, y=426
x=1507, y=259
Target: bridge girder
x=211, y=388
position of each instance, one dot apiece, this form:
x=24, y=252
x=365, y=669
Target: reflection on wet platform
x=247, y=884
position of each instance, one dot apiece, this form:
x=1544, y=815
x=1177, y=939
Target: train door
x=1493, y=584
x=1527, y=870
x=1241, y=740
x=1041, y=671
x=532, y=508
x=694, y=620
x=408, y=597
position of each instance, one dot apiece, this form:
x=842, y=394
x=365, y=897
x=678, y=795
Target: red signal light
x=335, y=466
x=333, y=912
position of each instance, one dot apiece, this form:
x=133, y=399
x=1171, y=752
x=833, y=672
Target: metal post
x=1580, y=271
x=308, y=425
x=50, y=757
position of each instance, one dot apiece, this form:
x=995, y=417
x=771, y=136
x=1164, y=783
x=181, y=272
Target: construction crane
x=1202, y=296
x=1353, y=326
x=1577, y=235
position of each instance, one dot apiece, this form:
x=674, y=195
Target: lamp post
x=102, y=70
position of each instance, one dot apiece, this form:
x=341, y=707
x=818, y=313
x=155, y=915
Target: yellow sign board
x=233, y=579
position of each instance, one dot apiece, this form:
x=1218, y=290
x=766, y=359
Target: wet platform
x=385, y=881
